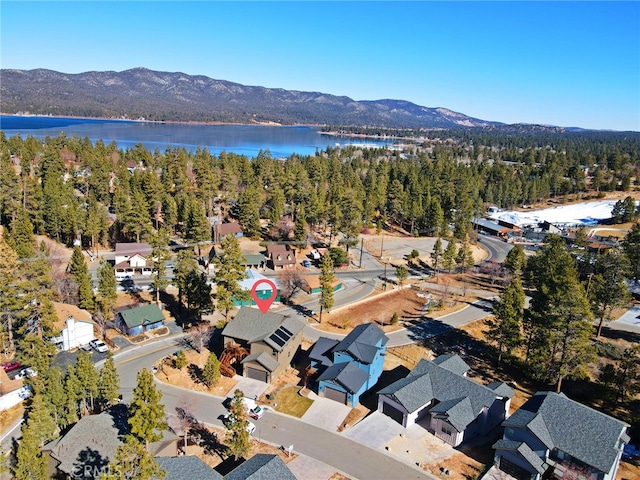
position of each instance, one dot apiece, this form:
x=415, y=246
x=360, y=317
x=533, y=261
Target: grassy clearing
x=291, y=403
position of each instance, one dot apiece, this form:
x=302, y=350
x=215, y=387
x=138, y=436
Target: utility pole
x=361, y=247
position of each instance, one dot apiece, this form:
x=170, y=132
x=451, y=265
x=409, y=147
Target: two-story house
x=452, y=406
x=132, y=258
x=271, y=339
x=554, y=436
x=280, y=256
x=350, y=367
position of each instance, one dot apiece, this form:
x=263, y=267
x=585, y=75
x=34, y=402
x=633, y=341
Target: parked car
x=26, y=372
x=251, y=427
x=306, y=263
x=10, y=366
x=257, y=412
x=99, y=345
x=86, y=348
x=170, y=265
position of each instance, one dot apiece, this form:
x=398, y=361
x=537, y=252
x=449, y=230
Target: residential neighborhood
x=233, y=335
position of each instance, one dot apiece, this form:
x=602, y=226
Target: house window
x=445, y=429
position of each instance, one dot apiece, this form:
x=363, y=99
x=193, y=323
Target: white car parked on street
x=99, y=345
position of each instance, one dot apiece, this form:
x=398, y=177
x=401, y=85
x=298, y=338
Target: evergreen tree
x=30, y=463
x=146, y=413
x=211, y=371
x=73, y=389
x=300, y=230
x=21, y=238
x=237, y=439
x=181, y=360
x=40, y=418
x=505, y=327
x=249, y=211
x=56, y=396
x=10, y=301
x=79, y=271
x=160, y=255
x=108, y=383
x=449, y=255
x=402, y=273
x=437, y=256
x=186, y=265
x=133, y=462
x=516, y=260
x=631, y=248
x=464, y=257
x=106, y=288
x=229, y=273
x=197, y=228
x=608, y=288
x=88, y=378
x=560, y=317
x=327, y=278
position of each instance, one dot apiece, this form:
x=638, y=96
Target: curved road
x=343, y=454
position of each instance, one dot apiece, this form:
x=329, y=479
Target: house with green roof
x=139, y=319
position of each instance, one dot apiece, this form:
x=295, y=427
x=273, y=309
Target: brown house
x=280, y=256
x=272, y=340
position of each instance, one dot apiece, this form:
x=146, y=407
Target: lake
x=241, y=139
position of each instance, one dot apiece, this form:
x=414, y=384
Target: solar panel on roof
x=286, y=331
x=277, y=340
x=280, y=335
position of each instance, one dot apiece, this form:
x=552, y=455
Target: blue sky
x=559, y=63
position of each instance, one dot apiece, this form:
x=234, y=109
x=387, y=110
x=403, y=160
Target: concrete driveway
x=325, y=413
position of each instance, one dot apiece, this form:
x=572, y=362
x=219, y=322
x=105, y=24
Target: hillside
x=164, y=96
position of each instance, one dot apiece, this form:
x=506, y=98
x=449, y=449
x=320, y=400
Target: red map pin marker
x=264, y=303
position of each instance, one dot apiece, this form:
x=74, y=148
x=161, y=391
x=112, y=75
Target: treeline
x=69, y=188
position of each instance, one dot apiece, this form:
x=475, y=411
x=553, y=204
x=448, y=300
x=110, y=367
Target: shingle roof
x=130, y=249
x=582, y=432
x=346, y=374
x=261, y=466
x=187, y=468
x=428, y=381
x=411, y=392
x=501, y=389
x=143, y=315
x=457, y=412
x=320, y=352
x=99, y=435
x=523, y=449
x=453, y=363
x=251, y=325
x=361, y=343
x=264, y=359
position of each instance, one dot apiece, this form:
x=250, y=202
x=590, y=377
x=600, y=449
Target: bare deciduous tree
x=199, y=337
x=290, y=281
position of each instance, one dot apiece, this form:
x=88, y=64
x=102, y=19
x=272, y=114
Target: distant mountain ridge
x=165, y=96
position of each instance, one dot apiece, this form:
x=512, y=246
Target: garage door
x=257, y=374
x=393, y=412
x=336, y=395
x=514, y=470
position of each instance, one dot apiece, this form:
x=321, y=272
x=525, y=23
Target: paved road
x=343, y=454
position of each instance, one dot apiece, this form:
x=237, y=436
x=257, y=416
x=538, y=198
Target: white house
x=132, y=258
x=76, y=327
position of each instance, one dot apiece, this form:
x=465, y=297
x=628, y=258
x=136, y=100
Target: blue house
x=140, y=319
x=350, y=367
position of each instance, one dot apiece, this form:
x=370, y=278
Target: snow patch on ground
x=589, y=213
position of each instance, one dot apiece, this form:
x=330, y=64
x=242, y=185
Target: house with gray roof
x=85, y=450
x=272, y=340
x=261, y=466
x=349, y=367
x=187, y=468
x=439, y=395
x=552, y=436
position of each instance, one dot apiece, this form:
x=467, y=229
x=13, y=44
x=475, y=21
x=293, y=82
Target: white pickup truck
x=254, y=410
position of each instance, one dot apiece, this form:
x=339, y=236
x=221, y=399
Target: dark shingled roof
x=320, y=352
x=346, y=374
x=264, y=359
x=187, y=468
x=453, y=363
x=261, y=466
x=582, y=432
x=361, y=342
x=460, y=399
x=523, y=449
x=251, y=325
